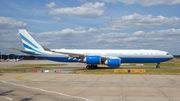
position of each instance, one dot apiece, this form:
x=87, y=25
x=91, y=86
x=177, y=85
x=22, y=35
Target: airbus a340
x=111, y=58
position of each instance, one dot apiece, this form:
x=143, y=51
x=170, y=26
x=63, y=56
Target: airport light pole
x=8, y=54
x=1, y=54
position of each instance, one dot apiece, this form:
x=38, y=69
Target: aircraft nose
x=171, y=56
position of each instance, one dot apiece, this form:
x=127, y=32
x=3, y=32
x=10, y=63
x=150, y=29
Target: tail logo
x=29, y=43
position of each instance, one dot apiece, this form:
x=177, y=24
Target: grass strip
x=170, y=63
x=19, y=70
x=153, y=64
x=39, y=65
x=148, y=71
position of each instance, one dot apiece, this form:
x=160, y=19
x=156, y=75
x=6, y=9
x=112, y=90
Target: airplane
x=9, y=60
x=109, y=57
x=14, y=60
x=19, y=59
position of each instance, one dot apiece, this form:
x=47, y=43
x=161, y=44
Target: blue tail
x=29, y=43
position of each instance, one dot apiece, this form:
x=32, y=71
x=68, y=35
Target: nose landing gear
x=158, y=65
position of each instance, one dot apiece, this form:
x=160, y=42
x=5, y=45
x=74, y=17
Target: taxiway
x=81, y=87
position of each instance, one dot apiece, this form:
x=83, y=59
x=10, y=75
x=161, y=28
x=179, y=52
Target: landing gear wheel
x=158, y=66
x=95, y=66
x=88, y=66
x=91, y=66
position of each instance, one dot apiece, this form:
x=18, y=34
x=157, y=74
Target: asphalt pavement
x=81, y=87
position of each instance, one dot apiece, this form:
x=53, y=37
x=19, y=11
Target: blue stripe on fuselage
x=59, y=59
x=143, y=60
x=123, y=59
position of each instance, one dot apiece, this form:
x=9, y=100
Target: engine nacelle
x=92, y=60
x=113, y=62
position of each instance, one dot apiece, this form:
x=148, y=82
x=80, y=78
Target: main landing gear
x=158, y=65
x=91, y=66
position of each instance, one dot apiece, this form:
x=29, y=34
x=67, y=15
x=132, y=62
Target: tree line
x=13, y=56
x=30, y=57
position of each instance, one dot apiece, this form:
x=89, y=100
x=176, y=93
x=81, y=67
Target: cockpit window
x=167, y=54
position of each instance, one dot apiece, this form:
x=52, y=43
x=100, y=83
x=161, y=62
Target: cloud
x=167, y=40
x=8, y=37
x=82, y=39
x=79, y=31
x=93, y=30
x=140, y=39
x=51, y=5
x=67, y=38
x=137, y=21
x=87, y=10
x=7, y=23
x=79, y=28
x=82, y=0
x=146, y=2
x=57, y=19
x=37, y=21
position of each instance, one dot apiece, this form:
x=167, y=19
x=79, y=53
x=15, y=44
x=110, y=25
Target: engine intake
x=92, y=60
x=113, y=62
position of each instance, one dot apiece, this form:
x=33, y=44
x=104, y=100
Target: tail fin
x=29, y=43
x=21, y=59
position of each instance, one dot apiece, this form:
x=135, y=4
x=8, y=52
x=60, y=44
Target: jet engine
x=92, y=60
x=113, y=62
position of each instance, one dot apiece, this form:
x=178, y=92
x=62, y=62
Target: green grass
x=19, y=70
x=94, y=71
x=163, y=71
x=164, y=64
x=148, y=71
x=171, y=63
x=39, y=65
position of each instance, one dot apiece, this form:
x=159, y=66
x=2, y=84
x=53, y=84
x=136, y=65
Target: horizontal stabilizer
x=45, y=48
x=22, y=50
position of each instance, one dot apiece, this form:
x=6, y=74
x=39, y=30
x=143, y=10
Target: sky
x=92, y=24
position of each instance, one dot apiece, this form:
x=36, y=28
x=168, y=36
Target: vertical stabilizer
x=29, y=42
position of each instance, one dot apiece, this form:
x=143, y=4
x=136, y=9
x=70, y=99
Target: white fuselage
x=113, y=52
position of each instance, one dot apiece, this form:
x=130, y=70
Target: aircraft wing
x=83, y=55
x=67, y=53
x=70, y=54
x=77, y=55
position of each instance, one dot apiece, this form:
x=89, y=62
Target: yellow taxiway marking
x=8, y=77
x=18, y=78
